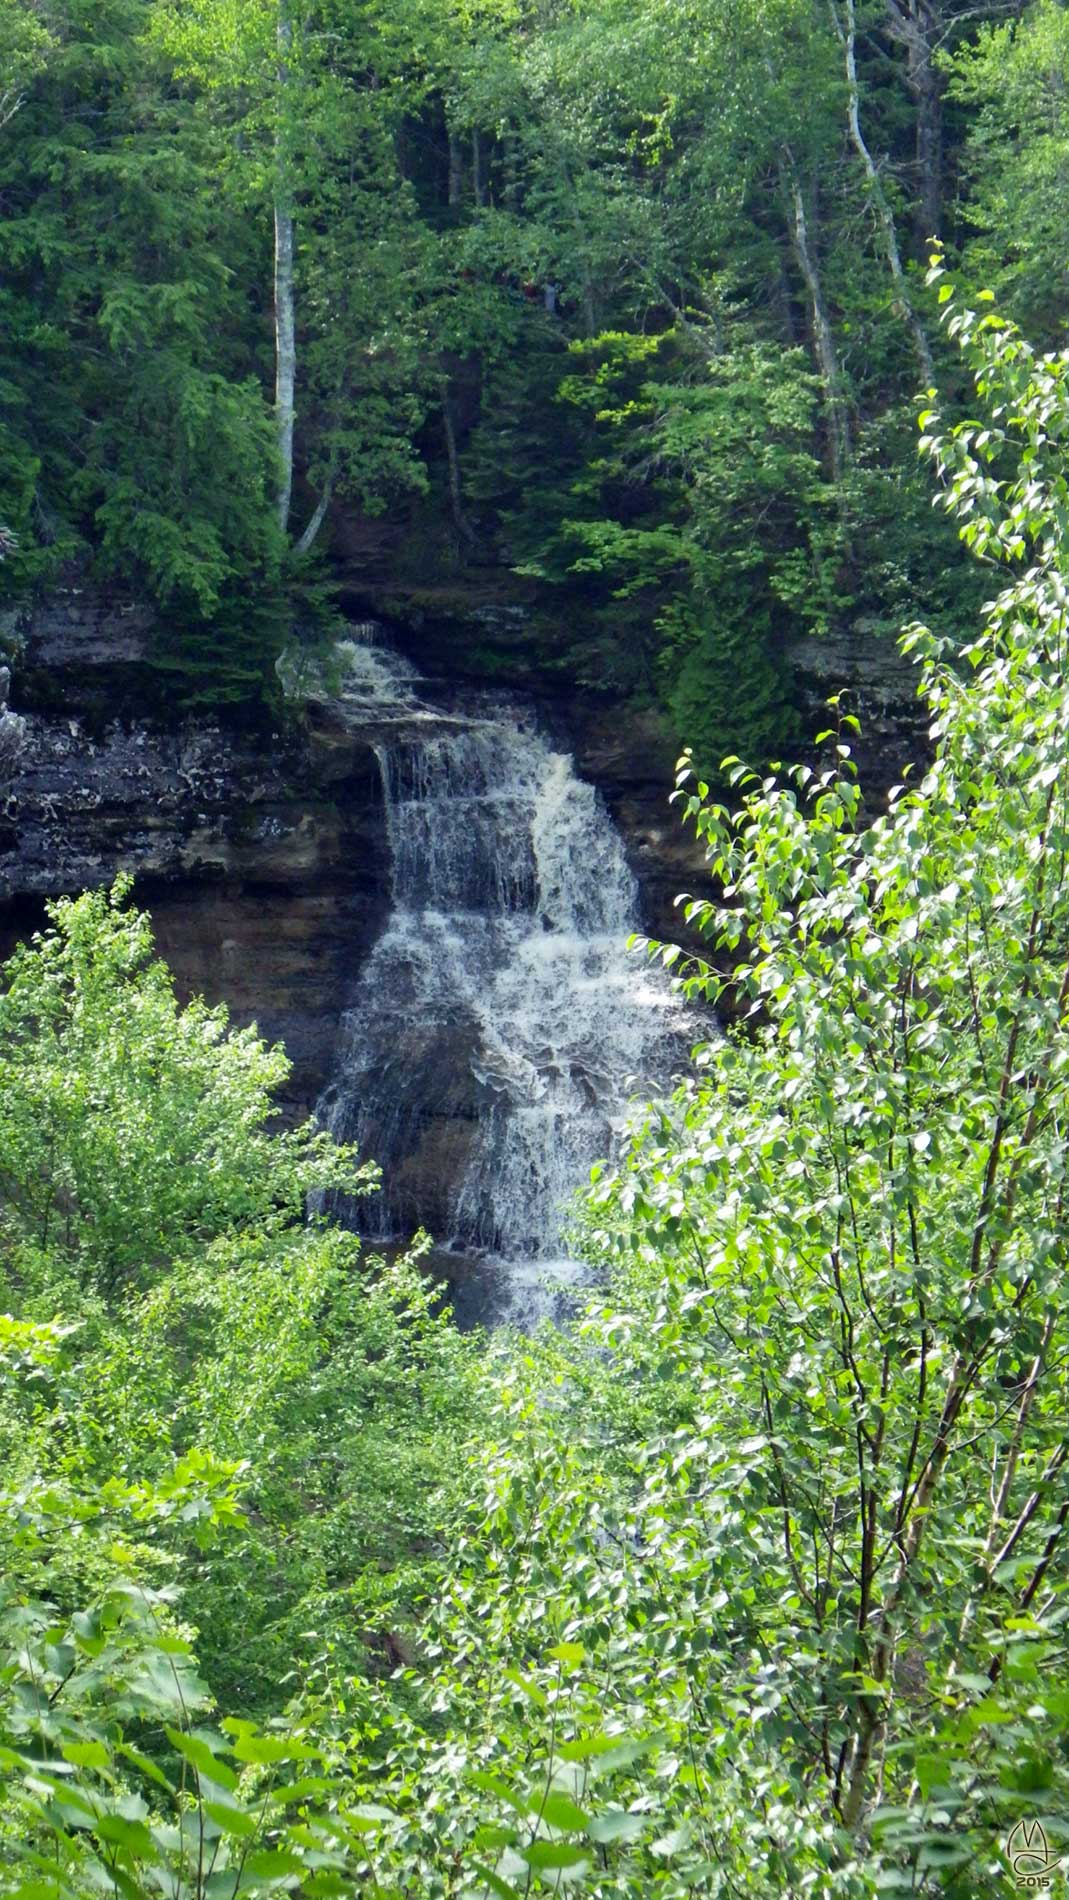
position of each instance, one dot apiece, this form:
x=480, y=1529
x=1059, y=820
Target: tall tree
x=845, y=24
x=130, y=416
x=1013, y=79
x=921, y=28
x=282, y=212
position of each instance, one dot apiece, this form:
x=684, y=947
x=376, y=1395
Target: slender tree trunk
x=511, y=192
x=847, y=33
x=456, y=499
x=456, y=170
x=478, y=183
x=918, y=26
x=882, y=1635
x=823, y=335
x=992, y=1556
x=285, y=319
x=927, y=87
x=318, y=517
x=285, y=356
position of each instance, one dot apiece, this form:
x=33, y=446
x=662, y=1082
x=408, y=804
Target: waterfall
x=499, y=1024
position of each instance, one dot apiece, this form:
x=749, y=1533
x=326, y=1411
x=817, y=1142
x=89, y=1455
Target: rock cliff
x=260, y=854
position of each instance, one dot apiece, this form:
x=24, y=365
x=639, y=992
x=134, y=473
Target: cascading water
x=499, y=1024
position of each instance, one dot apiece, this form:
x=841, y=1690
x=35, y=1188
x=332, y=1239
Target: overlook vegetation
x=628, y=297
x=754, y=1579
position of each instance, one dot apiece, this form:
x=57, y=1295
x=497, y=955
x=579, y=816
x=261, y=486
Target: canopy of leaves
x=473, y=192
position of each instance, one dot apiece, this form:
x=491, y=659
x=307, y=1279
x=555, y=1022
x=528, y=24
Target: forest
x=625, y=299
x=707, y=328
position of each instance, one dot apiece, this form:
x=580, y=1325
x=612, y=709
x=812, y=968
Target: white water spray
x=500, y=1023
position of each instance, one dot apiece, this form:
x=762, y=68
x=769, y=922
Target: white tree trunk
x=318, y=517
x=884, y=216
x=285, y=319
x=823, y=335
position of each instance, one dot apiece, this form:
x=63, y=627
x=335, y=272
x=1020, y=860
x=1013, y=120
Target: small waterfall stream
x=500, y=1023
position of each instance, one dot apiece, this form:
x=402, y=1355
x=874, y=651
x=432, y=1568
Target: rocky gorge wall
x=261, y=853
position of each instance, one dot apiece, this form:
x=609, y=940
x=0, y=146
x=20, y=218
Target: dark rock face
x=631, y=757
x=262, y=858
x=879, y=686
x=82, y=626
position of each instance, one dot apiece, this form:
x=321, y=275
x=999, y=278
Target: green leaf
x=265, y=1750
x=203, y=1758
x=234, y=1820
x=543, y=1855
x=146, y=1765
x=492, y=1784
x=365, y=1817
x=530, y=1689
x=272, y=1863
x=309, y=1787
x=87, y=1754
x=616, y=1825
x=495, y=1882
x=133, y=1835
x=586, y=1746
x=572, y=1653
x=560, y=1811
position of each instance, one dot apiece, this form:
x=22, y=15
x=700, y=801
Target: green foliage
x=900, y=557
x=338, y=1390
x=134, y=1131
x=698, y=513
x=1013, y=80
x=756, y=1580
x=187, y=1327
x=841, y=1245
x=137, y=186
x=112, y=1778
x=763, y=1581
x=125, y=420
x=692, y=199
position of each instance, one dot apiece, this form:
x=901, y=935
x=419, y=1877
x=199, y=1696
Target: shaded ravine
x=499, y=1025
